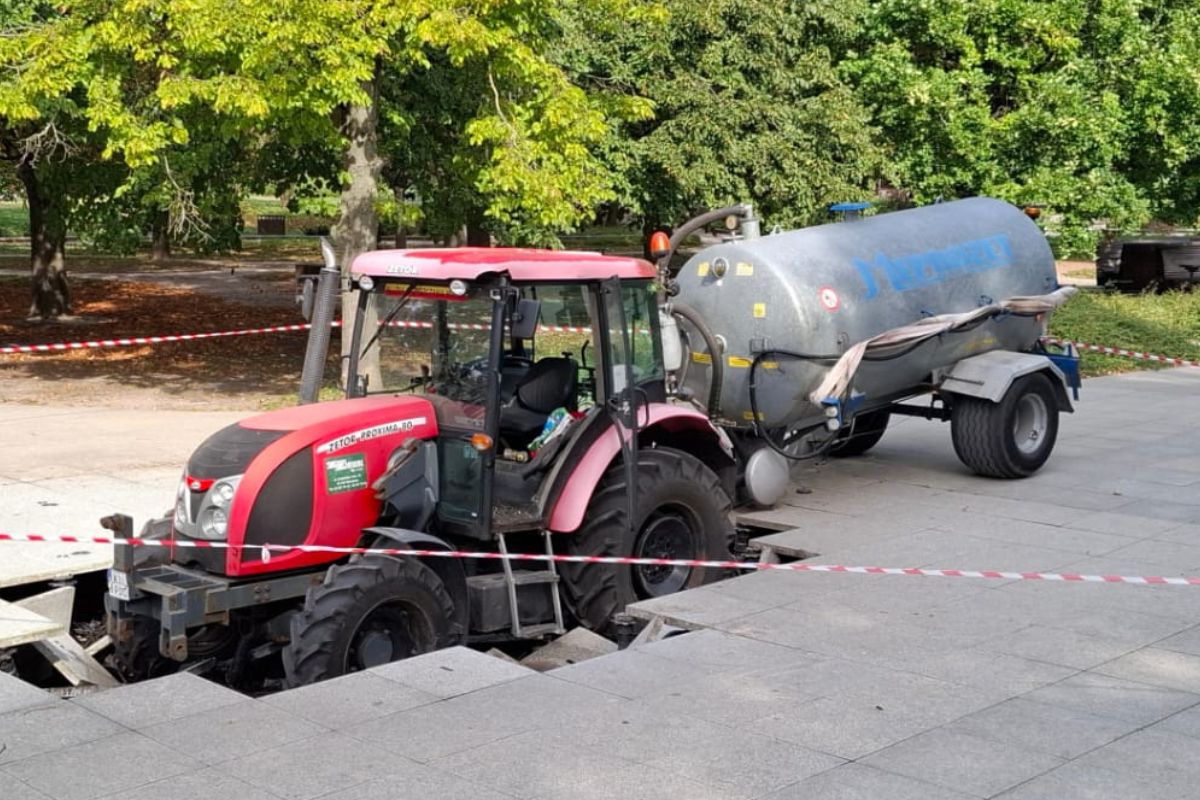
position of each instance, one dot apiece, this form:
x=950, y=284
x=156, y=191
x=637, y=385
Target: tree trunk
x=477, y=236
x=160, y=239
x=401, y=230
x=47, y=249
x=357, y=230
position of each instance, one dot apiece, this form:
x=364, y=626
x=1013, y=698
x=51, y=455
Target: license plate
x=118, y=584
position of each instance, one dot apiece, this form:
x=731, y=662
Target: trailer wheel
x=682, y=512
x=864, y=432
x=368, y=612
x=1011, y=438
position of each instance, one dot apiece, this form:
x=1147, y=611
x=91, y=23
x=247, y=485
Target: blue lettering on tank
x=933, y=267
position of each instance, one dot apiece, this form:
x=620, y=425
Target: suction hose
x=328, y=286
x=750, y=229
x=714, y=350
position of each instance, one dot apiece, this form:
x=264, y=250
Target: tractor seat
x=550, y=383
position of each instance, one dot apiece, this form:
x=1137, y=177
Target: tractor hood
x=302, y=475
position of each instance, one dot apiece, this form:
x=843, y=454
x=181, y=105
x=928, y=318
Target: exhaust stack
x=328, y=285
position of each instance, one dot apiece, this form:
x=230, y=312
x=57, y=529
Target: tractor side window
x=645, y=342
x=641, y=311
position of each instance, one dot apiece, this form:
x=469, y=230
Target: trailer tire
x=682, y=512
x=1011, y=438
x=864, y=432
x=367, y=612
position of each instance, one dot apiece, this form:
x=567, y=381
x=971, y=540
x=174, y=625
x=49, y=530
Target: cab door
x=469, y=426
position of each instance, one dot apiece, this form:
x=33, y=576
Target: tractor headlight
x=181, y=505
x=222, y=493
x=366, y=283
x=214, y=523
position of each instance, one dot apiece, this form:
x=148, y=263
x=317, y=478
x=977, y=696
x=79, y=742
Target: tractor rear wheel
x=682, y=512
x=368, y=612
x=864, y=432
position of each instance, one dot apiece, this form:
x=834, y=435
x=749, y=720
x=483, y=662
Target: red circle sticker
x=829, y=299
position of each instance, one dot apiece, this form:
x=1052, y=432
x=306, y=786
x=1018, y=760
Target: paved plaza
x=787, y=685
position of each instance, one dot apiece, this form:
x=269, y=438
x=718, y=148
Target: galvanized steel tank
x=820, y=290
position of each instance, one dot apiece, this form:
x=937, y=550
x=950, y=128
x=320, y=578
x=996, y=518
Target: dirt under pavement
x=250, y=372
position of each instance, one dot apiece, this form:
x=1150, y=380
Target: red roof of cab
x=468, y=263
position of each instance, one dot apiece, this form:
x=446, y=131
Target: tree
x=1090, y=107
x=311, y=71
x=749, y=106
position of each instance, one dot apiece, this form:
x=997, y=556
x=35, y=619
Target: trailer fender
x=988, y=375
x=450, y=570
x=658, y=423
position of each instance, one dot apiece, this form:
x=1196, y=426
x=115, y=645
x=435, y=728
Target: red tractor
x=522, y=406
x=534, y=401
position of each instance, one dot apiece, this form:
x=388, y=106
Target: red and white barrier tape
x=131, y=341
x=267, y=549
x=1122, y=352
x=138, y=340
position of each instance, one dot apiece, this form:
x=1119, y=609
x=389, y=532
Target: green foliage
x=185, y=95
x=521, y=119
x=1090, y=108
x=748, y=106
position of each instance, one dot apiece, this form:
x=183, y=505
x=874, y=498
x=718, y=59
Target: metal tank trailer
x=805, y=342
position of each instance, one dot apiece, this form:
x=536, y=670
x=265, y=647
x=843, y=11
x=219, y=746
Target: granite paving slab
x=789, y=685
x=121, y=762
x=860, y=782
x=349, y=700
x=48, y=728
x=200, y=784
x=963, y=762
x=15, y=695
x=231, y=731
x=153, y=702
x=453, y=671
x=13, y=789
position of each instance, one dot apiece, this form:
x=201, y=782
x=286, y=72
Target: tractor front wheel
x=681, y=512
x=367, y=612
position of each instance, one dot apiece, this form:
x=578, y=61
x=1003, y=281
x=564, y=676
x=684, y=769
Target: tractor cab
x=524, y=355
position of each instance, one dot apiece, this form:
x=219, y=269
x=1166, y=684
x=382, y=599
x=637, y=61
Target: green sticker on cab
x=345, y=473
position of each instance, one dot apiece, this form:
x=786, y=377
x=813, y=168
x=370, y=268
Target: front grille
x=282, y=511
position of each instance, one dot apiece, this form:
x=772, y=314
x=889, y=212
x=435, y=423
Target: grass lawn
x=1166, y=324
x=14, y=218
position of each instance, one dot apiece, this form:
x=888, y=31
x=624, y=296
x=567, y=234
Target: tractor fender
x=680, y=427
x=450, y=570
x=988, y=375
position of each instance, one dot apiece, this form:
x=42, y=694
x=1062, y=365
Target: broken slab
x=25, y=563
x=578, y=644
x=62, y=651
x=21, y=626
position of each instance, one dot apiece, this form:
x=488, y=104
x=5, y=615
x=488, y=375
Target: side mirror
x=525, y=318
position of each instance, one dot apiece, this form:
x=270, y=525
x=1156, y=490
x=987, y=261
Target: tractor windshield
x=436, y=343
